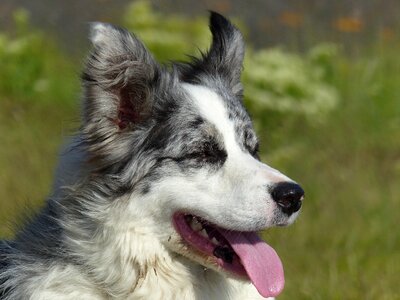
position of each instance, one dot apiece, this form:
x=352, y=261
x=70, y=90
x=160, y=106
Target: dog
x=161, y=193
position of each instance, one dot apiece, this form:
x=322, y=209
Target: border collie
x=161, y=193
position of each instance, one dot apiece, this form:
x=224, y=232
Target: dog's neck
x=130, y=264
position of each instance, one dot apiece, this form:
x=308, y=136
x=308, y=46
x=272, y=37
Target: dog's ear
x=118, y=81
x=225, y=56
x=118, y=78
x=227, y=49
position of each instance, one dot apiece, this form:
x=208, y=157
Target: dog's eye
x=255, y=151
x=208, y=152
x=251, y=144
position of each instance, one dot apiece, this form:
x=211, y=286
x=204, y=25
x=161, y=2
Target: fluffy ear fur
x=224, y=59
x=118, y=82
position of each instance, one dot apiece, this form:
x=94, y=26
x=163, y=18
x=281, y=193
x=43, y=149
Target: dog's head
x=178, y=140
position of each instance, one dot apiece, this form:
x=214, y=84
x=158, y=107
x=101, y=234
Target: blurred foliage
x=289, y=83
x=32, y=66
x=38, y=105
x=168, y=37
x=333, y=124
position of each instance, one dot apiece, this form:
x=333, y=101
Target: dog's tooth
x=203, y=233
x=214, y=241
x=196, y=225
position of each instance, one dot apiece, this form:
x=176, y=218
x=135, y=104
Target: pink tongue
x=262, y=264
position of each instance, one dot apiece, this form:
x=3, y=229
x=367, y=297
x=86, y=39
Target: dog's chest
x=209, y=285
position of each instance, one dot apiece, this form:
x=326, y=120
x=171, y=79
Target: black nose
x=288, y=196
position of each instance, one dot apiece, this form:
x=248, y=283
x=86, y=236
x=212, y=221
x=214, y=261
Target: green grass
x=39, y=92
x=345, y=245
x=31, y=135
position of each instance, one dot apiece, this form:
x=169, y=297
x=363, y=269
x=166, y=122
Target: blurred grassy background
x=327, y=116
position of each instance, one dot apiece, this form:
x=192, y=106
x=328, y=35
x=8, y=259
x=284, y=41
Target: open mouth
x=243, y=254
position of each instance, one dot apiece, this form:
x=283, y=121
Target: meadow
x=328, y=119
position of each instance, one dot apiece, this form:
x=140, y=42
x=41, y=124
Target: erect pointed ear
x=118, y=78
x=118, y=82
x=227, y=49
x=225, y=56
